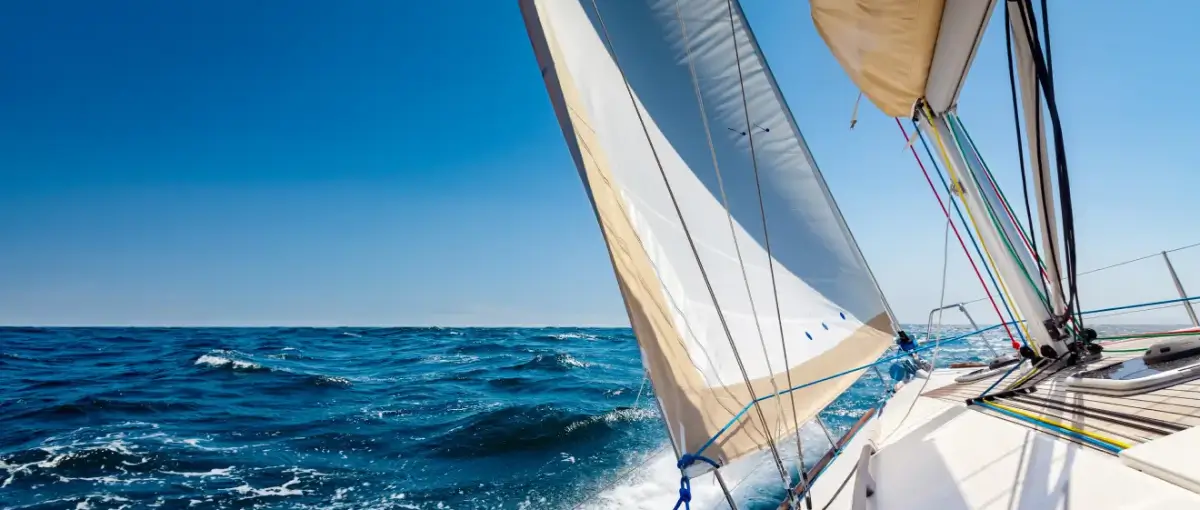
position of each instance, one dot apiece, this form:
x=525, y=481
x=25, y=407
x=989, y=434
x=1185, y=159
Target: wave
x=457, y=359
x=221, y=361
x=239, y=362
x=558, y=362
x=529, y=428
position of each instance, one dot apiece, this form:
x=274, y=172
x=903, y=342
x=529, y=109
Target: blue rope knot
x=688, y=459
x=685, y=494
x=685, y=485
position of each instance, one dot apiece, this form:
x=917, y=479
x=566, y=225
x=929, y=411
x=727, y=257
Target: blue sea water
x=403, y=418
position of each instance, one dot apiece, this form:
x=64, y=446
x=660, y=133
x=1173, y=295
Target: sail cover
x=898, y=51
x=649, y=97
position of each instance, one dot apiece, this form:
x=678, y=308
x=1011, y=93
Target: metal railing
x=1135, y=282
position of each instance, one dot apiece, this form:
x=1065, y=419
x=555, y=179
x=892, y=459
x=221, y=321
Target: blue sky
x=382, y=162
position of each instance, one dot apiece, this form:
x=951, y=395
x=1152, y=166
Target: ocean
x=388, y=418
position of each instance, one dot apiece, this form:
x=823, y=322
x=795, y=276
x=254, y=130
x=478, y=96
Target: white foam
x=617, y=415
x=221, y=361
x=654, y=484
x=458, y=359
x=226, y=472
x=279, y=491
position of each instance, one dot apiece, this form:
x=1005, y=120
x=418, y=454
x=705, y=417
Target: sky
x=398, y=163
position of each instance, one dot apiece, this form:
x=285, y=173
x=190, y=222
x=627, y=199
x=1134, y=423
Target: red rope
x=1012, y=217
x=1015, y=344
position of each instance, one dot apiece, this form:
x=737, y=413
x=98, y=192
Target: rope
x=955, y=128
x=1185, y=332
x=904, y=355
x=1086, y=437
x=991, y=214
x=1002, y=378
x=1045, y=78
x=937, y=342
x=975, y=243
x=953, y=177
x=1113, y=445
x=1007, y=206
x=1140, y=305
x=1012, y=84
x=640, y=390
x=955, y=228
x=1033, y=372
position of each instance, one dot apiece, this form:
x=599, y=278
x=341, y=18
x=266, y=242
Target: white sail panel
x=689, y=247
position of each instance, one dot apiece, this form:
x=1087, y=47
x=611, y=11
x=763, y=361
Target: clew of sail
x=739, y=274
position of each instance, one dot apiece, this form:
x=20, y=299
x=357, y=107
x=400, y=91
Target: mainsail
x=739, y=274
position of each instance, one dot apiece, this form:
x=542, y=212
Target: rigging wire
x=767, y=246
x=725, y=202
x=691, y=242
x=1110, y=266
x=938, y=341
x=958, y=185
x=946, y=211
x=770, y=261
x=1025, y=239
x=989, y=209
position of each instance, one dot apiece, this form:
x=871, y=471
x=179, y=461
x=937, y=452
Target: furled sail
x=713, y=212
x=898, y=51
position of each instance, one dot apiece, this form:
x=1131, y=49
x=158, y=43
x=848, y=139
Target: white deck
x=944, y=455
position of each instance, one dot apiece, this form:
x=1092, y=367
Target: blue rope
x=908, y=354
x=688, y=459
x=957, y=210
x=1141, y=305
x=1002, y=378
x=1055, y=428
x=685, y=494
x=930, y=345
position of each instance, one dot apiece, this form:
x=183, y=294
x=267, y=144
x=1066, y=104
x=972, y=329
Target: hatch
x=1163, y=365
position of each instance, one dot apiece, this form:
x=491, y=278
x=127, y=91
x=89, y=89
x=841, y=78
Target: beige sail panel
x=886, y=46
x=641, y=151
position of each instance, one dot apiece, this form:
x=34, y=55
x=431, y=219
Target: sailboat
x=754, y=307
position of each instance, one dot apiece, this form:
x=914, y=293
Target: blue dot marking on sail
x=826, y=326
x=809, y=335
x=843, y=314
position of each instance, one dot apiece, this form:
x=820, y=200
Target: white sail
x=676, y=190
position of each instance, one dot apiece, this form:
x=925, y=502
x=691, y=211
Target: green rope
x=992, y=215
x=1027, y=233
x=1149, y=335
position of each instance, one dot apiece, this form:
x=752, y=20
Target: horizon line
x=442, y=326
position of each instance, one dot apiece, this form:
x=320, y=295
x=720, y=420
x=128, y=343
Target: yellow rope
x=1098, y=437
x=1035, y=370
x=957, y=189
